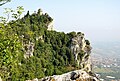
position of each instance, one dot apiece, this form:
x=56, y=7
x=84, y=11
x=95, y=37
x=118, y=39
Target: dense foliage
x=51, y=54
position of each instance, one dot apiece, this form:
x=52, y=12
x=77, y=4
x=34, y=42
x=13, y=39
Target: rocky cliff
x=32, y=49
x=77, y=75
x=81, y=49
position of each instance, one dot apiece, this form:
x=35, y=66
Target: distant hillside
x=109, y=49
x=106, y=59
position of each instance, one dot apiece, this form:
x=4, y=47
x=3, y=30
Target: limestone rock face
x=81, y=51
x=50, y=26
x=0, y=79
x=32, y=80
x=78, y=75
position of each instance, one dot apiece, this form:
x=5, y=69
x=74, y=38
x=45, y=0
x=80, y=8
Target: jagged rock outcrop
x=81, y=49
x=50, y=26
x=78, y=75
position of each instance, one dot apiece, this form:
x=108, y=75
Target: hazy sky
x=98, y=19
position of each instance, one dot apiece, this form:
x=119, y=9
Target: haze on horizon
x=98, y=19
